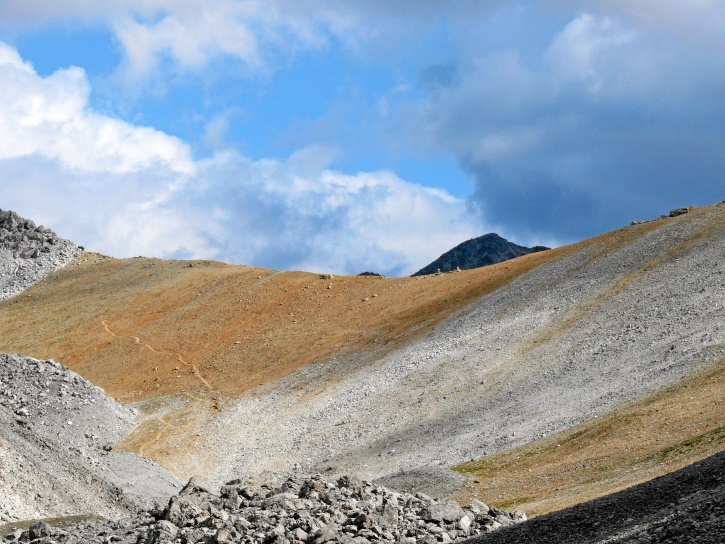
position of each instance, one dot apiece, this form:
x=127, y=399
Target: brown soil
x=659, y=434
x=140, y=328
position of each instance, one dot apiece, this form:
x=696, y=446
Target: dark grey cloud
x=615, y=121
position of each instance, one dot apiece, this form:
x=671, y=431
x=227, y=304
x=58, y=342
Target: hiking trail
x=178, y=356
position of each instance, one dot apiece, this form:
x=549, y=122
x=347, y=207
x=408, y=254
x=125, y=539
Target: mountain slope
x=633, y=443
x=482, y=251
x=433, y=371
x=581, y=334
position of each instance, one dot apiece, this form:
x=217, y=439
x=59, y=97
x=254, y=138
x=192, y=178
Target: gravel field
x=57, y=435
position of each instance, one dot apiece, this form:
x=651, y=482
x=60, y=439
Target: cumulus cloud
x=300, y=214
x=126, y=190
x=49, y=117
x=259, y=34
x=186, y=36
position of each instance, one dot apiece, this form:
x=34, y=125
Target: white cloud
x=190, y=35
x=260, y=34
x=578, y=51
x=216, y=129
x=127, y=190
x=49, y=117
x=303, y=215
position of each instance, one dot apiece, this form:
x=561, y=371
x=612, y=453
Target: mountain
x=542, y=382
x=476, y=252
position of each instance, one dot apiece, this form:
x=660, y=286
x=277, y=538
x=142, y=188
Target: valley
x=547, y=380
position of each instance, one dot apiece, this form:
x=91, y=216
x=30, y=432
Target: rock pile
x=60, y=405
x=57, y=447
x=301, y=510
x=28, y=253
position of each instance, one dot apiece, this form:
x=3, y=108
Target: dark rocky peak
x=476, y=252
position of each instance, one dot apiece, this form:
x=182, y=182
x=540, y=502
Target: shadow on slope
x=683, y=506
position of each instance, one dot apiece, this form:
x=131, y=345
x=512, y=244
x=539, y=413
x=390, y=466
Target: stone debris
x=28, y=253
x=58, y=434
x=301, y=510
x=673, y=213
x=680, y=211
x=60, y=405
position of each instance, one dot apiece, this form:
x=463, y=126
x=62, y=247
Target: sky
x=365, y=135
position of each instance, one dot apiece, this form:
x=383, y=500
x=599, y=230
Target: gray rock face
x=28, y=253
x=57, y=434
x=477, y=252
x=302, y=509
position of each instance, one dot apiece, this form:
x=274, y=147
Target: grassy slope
x=239, y=326
x=656, y=435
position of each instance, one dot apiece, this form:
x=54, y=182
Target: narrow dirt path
x=166, y=427
x=195, y=405
x=178, y=357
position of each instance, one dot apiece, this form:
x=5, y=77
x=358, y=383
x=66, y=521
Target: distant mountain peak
x=477, y=252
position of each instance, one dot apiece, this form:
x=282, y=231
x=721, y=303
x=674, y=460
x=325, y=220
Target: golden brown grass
x=656, y=435
x=239, y=326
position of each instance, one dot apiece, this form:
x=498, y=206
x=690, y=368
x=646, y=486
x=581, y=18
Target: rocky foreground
x=58, y=434
x=301, y=510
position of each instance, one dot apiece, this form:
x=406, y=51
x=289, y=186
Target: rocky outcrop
x=301, y=510
x=28, y=253
x=477, y=252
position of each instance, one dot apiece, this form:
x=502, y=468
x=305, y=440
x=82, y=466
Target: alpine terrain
x=567, y=395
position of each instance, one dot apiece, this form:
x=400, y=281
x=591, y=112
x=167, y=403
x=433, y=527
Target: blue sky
x=359, y=135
